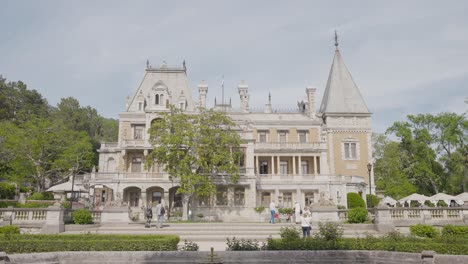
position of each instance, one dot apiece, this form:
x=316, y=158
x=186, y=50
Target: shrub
x=428, y=203
x=189, y=246
x=354, y=200
x=424, y=231
x=41, y=196
x=235, y=244
x=259, y=209
x=341, y=207
x=451, y=230
x=289, y=233
x=375, y=200
x=330, y=231
x=285, y=210
x=442, y=204
x=7, y=190
x=6, y=204
x=9, y=230
x=82, y=217
x=357, y=215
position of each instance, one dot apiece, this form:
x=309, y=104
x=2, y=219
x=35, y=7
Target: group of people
x=160, y=214
x=303, y=217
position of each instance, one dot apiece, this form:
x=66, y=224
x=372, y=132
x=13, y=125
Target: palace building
x=311, y=155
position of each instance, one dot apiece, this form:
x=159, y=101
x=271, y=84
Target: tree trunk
x=185, y=206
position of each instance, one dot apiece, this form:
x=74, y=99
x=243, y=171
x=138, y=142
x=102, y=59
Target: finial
x=269, y=98
x=147, y=64
x=336, y=40
x=183, y=65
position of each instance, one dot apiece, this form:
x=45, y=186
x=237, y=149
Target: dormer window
x=159, y=99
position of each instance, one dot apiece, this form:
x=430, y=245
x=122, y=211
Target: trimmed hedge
x=26, y=205
x=451, y=230
x=82, y=217
x=366, y=244
x=357, y=215
x=354, y=200
x=49, y=243
x=41, y=196
x=375, y=200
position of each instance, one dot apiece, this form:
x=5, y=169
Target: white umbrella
x=462, y=198
x=388, y=200
x=414, y=197
x=66, y=187
x=442, y=197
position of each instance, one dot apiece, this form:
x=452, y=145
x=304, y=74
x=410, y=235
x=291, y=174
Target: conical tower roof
x=341, y=95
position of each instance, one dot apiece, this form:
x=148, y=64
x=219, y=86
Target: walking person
x=160, y=211
x=297, y=212
x=305, y=224
x=149, y=216
x=272, y=211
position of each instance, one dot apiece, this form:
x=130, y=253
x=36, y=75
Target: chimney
x=244, y=96
x=311, y=101
x=202, y=91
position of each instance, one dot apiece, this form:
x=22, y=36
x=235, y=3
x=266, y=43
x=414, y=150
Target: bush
x=9, y=230
x=41, y=196
x=354, y=200
x=189, y=246
x=259, y=209
x=235, y=244
x=27, y=243
x=289, y=233
x=6, y=204
x=451, y=230
x=82, y=217
x=423, y=231
x=442, y=204
x=7, y=190
x=357, y=215
x=428, y=203
x=285, y=210
x=375, y=200
x=330, y=231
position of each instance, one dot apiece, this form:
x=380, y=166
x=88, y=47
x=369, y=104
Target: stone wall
x=235, y=257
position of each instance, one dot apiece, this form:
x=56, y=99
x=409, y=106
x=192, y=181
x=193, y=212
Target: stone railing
x=131, y=176
x=290, y=146
x=304, y=178
x=96, y=216
x=24, y=217
x=109, y=145
x=135, y=143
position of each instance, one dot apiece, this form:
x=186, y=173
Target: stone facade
x=288, y=156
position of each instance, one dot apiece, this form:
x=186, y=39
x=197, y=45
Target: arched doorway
x=154, y=195
x=131, y=196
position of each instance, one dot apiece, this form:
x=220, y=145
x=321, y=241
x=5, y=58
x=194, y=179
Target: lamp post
x=72, y=188
x=369, y=169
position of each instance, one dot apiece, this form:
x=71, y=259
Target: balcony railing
x=134, y=143
x=290, y=145
x=265, y=178
x=108, y=145
x=131, y=176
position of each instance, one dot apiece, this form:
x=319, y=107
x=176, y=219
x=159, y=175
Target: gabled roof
x=341, y=94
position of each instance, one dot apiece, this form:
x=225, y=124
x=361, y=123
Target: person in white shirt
x=305, y=224
x=272, y=211
x=160, y=211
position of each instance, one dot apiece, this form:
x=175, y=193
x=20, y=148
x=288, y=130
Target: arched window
x=111, y=166
x=161, y=98
x=156, y=99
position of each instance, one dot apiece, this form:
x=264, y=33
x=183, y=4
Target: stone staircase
x=214, y=234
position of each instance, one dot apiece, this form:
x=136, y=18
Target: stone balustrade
x=290, y=146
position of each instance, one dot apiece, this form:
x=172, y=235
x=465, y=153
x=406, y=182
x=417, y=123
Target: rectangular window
x=266, y=199
x=305, y=167
x=308, y=198
x=302, y=135
x=262, y=136
x=136, y=165
x=204, y=200
x=350, y=150
x=285, y=200
x=284, y=167
x=264, y=167
x=282, y=135
x=239, y=195
x=138, y=131
x=221, y=195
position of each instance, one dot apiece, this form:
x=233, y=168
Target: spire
x=341, y=93
x=269, y=98
x=336, y=40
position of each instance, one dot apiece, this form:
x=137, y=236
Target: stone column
x=315, y=165
x=143, y=197
x=272, y=165
x=383, y=219
x=54, y=221
x=257, y=163
x=278, y=165
x=300, y=165
x=294, y=164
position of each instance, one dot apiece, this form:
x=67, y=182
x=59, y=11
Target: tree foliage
x=430, y=156
x=194, y=149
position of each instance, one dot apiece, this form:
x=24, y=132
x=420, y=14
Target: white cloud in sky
x=405, y=56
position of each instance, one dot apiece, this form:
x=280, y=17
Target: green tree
x=44, y=152
x=194, y=150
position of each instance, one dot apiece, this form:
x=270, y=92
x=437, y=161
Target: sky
x=406, y=57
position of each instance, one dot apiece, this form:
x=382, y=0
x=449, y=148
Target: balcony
x=290, y=146
x=131, y=176
x=134, y=143
x=306, y=178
